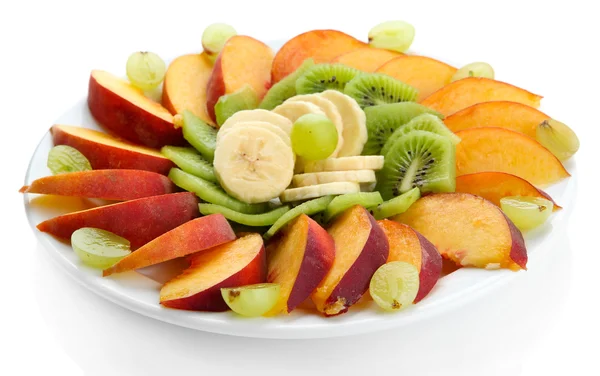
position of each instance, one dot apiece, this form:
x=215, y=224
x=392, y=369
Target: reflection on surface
x=493, y=333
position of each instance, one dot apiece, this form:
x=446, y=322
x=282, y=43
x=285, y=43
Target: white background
x=543, y=323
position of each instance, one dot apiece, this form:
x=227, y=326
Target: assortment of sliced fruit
x=328, y=169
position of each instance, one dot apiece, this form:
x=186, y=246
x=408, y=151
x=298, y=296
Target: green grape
x=251, y=300
x=558, y=138
x=215, y=36
x=395, y=285
x=478, y=69
x=63, y=159
x=314, y=137
x=392, y=35
x=145, y=70
x=99, y=248
x=526, y=212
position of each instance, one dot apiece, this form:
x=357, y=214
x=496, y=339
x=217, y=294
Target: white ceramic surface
x=140, y=293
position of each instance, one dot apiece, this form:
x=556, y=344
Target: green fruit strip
x=190, y=161
x=200, y=135
x=309, y=208
x=343, y=202
x=256, y=220
x=397, y=205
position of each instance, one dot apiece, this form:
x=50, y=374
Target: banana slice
x=253, y=164
x=259, y=115
x=366, y=162
x=354, y=119
x=260, y=124
x=303, y=193
x=314, y=178
x=330, y=110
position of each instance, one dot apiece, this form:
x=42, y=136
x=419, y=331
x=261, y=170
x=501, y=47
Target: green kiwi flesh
x=200, y=135
x=321, y=77
x=384, y=119
x=418, y=159
x=396, y=205
x=286, y=88
x=229, y=104
x=340, y=203
x=309, y=208
x=371, y=89
x=258, y=220
x=189, y=160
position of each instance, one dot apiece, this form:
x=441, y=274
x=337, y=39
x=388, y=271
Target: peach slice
x=503, y=150
x=423, y=73
x=243, y=61
x=107, y=152
x=366, y=59
x=117, y=185
x=138, y=221
x=299, y=262
x=494, y=185
x=128, y=113
x=234, y=264
x=361, y=247
x=320, y=45
x=464, y=93
x=468, y=230
x=185, y=83
x=409, y=246
x=503, y=114
x=191, y=237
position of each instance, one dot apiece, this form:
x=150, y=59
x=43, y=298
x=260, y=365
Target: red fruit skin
x=431, y=267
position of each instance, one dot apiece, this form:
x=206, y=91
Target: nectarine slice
x=468, y=230
x=423, y=73
x=238, y=263
x=128, y=113
x=243, y=61
x=185, y=83
x=191, y=237
x=299, y=262
x=503, y=114
x=503, y=150
x=408, y=245
x=495, y=185
x=117, y=185
x=107, y=152
x=366, y=59
x=361, y=247
x=464, y=93
x=320, y=45
x=138, y=221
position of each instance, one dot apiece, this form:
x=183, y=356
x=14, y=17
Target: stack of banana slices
x=254, y=160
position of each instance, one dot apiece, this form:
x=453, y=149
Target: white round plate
x=140, y=293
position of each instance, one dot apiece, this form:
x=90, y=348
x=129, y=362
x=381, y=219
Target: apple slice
x=299, y=262
x=503, y=114
x=191, y=237
x=107, y=152
x=409, y=246
x=138, y=221
x=464, y=93
x=366, y=59
x=128, y=113
x=468, y=230
x=243, y=61
x=423, y=73
x=238, y=263
x=503, y=150
x=361, y=248
x=320, y=45
x=119, y=185
x=495, y=185
x=185, y=85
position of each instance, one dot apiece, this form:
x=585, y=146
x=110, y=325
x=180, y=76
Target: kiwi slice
x=418, y=159
x=425, y=122
x=286, y=88
x=343, y=202
x=397, y=205
x=200, y=135
x=321, y=77
x=212, y=193
x=309, y=208
x=384, y=119
x=190, y=161
x=371, y=89
x=229, y=104
x=258, y=220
